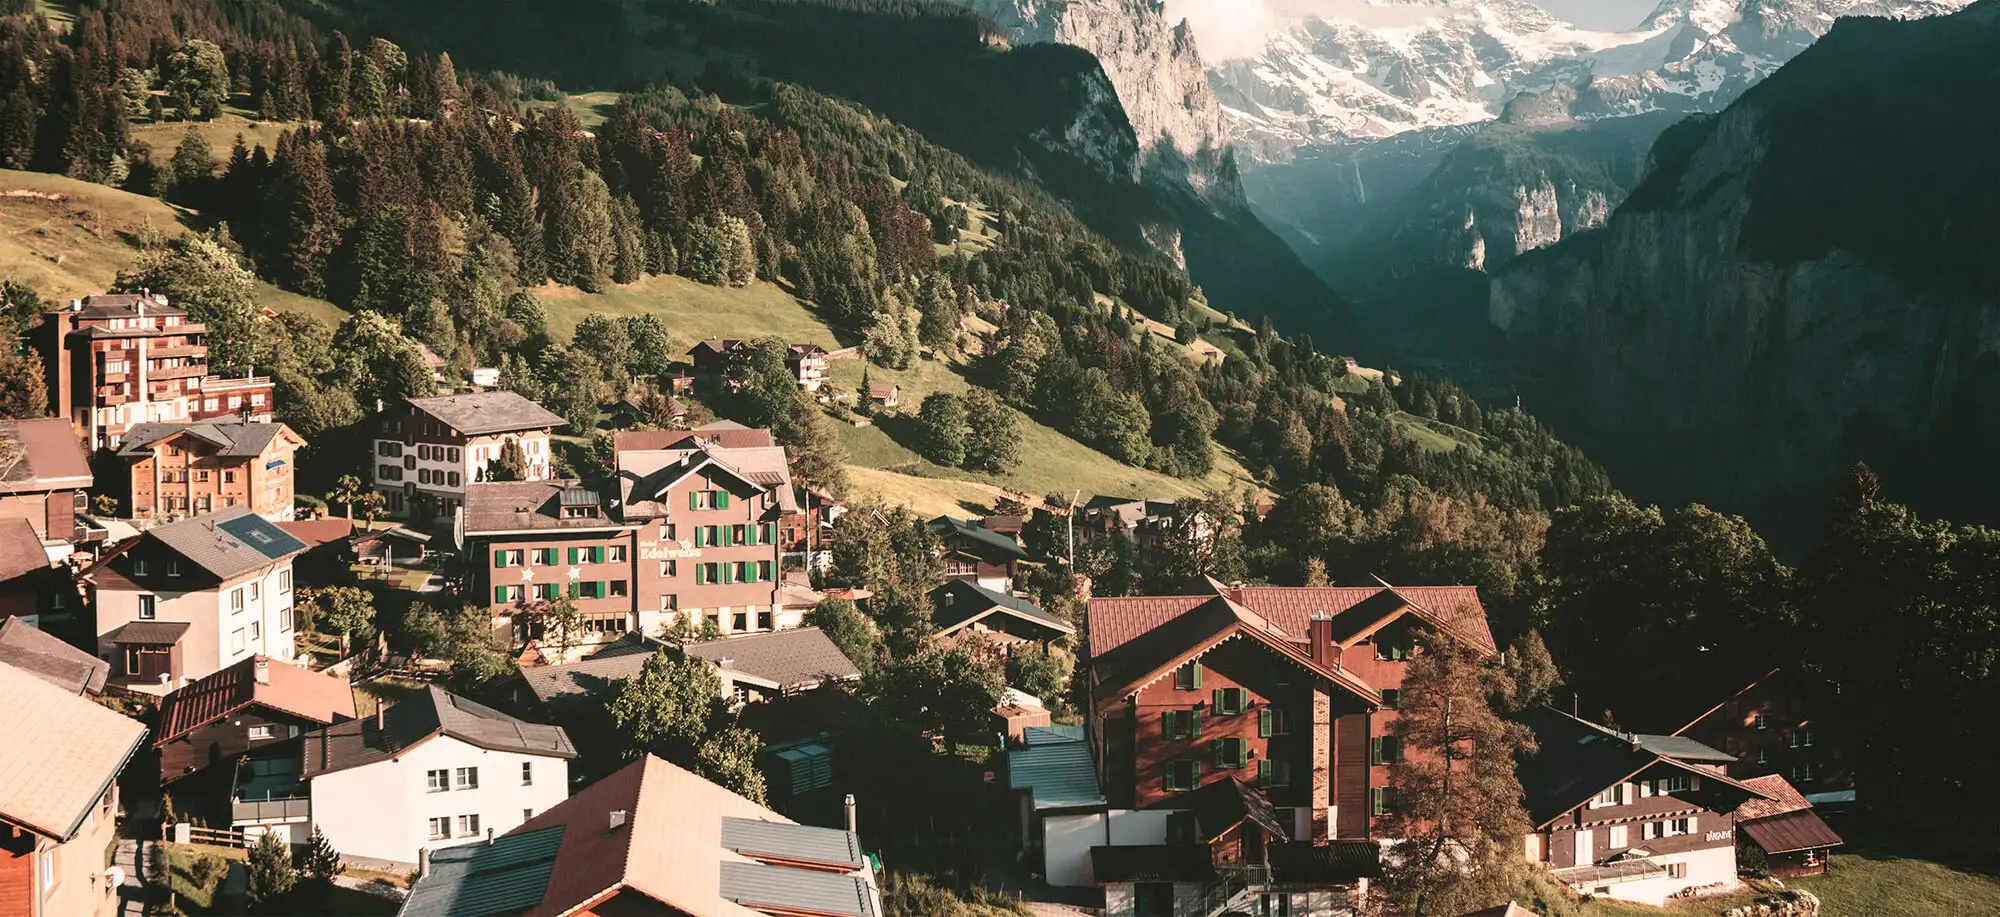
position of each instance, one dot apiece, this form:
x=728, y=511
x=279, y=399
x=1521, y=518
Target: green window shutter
x=1194, y=724
x=572, y=590
x=569, y=555
x=722, y=499
x=1215, y=700
x=770, y=532
x=499, y=595
x=700, y=574
x=1264, y=773
x=700, y=536
x=1264, y=723
x=1197, y=674
x=1221, y=754
x=1167, y=729
x=1375, y=801
x=694, y=499
x=499, y=558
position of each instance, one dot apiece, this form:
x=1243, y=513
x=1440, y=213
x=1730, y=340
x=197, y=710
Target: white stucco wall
x=1066, y=843
x=383, y=810
x=1704, y=867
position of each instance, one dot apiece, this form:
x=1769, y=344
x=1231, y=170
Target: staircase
x=1233, y=889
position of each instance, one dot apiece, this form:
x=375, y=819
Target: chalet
x=187, y=599
x=59, y=768
x=1636, y=817
x=965, y=609
x=978, y=555
x=432, y=770
x=1769, y=720
x=390, y=546
x=252, y=707
x=433, y=448
x=713, y=356
x=30, y=650
x=1779, y=834
x=885, y=394
x=652, y=839
x=1142, y=521
x=30, y=587
x=1281, y=696
x=806, y=362
x=44, y=479
x=175, y=470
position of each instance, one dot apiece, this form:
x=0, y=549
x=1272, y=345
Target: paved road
x=130, y=857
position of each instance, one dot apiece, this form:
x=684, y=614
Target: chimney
x=617, y=820
x=1319, y=632
x=489, y=837
x=853, y=824
x=379, y=707
x=423, y=863
x=262, y=667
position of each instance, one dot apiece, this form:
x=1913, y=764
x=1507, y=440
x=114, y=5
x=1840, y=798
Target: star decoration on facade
x=576, y=573
x=527, y=574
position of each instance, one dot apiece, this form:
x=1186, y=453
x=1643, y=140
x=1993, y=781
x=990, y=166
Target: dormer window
x=579, y=512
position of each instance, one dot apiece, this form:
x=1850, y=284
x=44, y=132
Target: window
x=670, y=568
x=284, y=582
x=259, y=732
x=236, y=600
x=1679, y=783
x=1802, y=738
x=201, y=476
x=468, y=825
x=1381, y=800
x=440, y=828
x=1153, y=899
x=1182, y=775
x=285, y=619
x=1618, y=838
x=138, y=566
x=1763, y=757
x=1610, y=797
x=617, y=588
x=467, y=778
x=1229, y=701
x=741, y=622
x=451, y=479
x=546, y=591
x=236, y=640
x=764, y=620
x=1181, y=724
x=527, y=814
x=148, y=608
x=229, y=477
x=1273, y=721
x=1274, y=904
x=1391, y=697
x=173, y=566
x=437, y=781
x=667, y=531
x=527, y=773
x=451, y=455
x=1802, y=772
x=763, y=571
x=1274, y=772
x=1188, y=677
x=1760, y=722
x=256, y=630
x=1385, y=750
x=253, y=591
x=1649, y=830
x=614, y=554
x=670, y=602
x=1677, y=870
x=48, y=860
x=1231, y=753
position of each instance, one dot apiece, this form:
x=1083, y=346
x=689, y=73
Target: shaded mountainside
x=1799, y=282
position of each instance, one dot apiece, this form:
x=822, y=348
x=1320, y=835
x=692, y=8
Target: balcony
x=268, y=790
x=181, y=350
x=178, y=372
x=235, y=384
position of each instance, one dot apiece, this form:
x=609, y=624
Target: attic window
x=579, y=512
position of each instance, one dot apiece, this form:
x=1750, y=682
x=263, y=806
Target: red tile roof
x=1783, y=798
x=1454, y=609
x=316, y=532
x=291, y=689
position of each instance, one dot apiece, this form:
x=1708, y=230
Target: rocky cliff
x=1154, y=68
x=1800, y=282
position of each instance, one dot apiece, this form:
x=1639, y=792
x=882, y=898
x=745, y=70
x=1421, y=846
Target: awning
x=1790, y=832
x=149, y=633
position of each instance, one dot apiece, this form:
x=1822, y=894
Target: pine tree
x=311, y=227
x=331, y=101
x=271, y=877
x=938, y=327
x=815, y=452
x=320, y=866
x=1456, y=799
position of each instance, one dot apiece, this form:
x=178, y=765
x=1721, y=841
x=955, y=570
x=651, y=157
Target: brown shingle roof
x=21, y=551
x=291, y=689
x=789, y=660
x=316, y=532
x=479, y=413
x=1783, y=798
x=1454, y=609
x=515, y=506
x=1150, y=655
x=60, y=755
x=41, y=454
x=233, y=439
x=29, y=649
x=419, y=717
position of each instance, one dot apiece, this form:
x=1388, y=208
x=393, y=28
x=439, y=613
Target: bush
x=920, y=895
x=206, y=869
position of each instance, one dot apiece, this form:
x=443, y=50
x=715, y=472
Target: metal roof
x=759, y=839
x=1790, y=832
x=1610, y=874
x=1682, y=748
x=1050, y=735
x=1060, y=776
x=26, y=647
x=796, y=891
x=507, y=876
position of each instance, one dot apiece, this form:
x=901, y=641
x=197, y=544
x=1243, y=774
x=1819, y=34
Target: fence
x=185, y=833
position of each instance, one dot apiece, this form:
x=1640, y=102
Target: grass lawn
x=694, y=312
x=68, y=238
x=165, y=136
x=388, y=689
x=1872, y=879
x=1429, y=434
x=197, y=897
x=1711, y=906
x=590, y=108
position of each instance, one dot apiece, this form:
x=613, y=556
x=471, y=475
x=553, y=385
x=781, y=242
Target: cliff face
x=1756, y=317
x=1155, y=71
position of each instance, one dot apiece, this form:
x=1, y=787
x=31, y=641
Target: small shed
x=885, y=394
x=388, y=546
x=1017, y=712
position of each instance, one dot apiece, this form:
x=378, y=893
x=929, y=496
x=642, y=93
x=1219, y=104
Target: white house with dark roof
x=427, y=450
x=433, y=770
x=190, y=598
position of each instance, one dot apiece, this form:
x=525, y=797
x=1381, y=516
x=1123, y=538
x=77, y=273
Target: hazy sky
x=1236, y=28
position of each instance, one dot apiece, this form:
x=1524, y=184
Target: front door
x=1584, y=856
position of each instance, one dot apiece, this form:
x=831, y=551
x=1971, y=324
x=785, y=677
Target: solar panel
x=802, y=843
x=265, y=538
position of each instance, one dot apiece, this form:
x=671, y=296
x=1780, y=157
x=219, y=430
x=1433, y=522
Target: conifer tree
x=331, y=99
x=310, y=230
x=193, y=164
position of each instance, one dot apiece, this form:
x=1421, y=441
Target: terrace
x=268, y=791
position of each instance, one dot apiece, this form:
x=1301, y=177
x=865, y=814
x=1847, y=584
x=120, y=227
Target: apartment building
x=118, y=359
x=428, y=450
x=186, y=599
x=176, y=470
x=537, y=541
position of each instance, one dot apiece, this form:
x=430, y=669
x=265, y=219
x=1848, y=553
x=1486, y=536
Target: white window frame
x=437, y=780
x=465, y=778
x=260, y=732
x=527, y=773
x=439, y=828
x=468, y=825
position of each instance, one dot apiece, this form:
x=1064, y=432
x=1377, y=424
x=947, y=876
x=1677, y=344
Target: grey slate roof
x=229, y=542
x=507, y=876
x=234, y=438
x=479, y=413
x=760, y=839
x=515, y=506
x=150, y=633
x=788, y=659
x=419, y=717
x=757, y=886
x=979, y=540
x=1682, y=748
x=957, y=601
x=27, y=648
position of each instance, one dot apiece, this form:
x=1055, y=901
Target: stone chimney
x=262, y=667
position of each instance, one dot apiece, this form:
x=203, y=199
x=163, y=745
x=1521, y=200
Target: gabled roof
x=419, y=718
x=480, y=413
x=1151, y=655
x=1576, y=760
x=1673, y=697
x=786, y=660
x=645, y=475
x=1060, y=774
x=31, y=650
x=61, y=753
x=1782, y=798
x=519, y=506
x=1790, y=832
x=725, y=433
x=989, y=545
x=228, y=543
x=683, y=842
x=21, y=551
x=287, y=688
x=1455, y=610
x=230, y=438
x=41, y=454
x=506, y=876
x=958, y=603
x=1220, y=805
x=315, y=532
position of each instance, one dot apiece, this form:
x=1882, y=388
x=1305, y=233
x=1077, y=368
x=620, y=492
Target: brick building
x=118, y=359
x=174, y=470
x=428, y=450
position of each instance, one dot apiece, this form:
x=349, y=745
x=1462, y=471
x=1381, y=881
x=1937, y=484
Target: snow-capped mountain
x=1411, y=65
